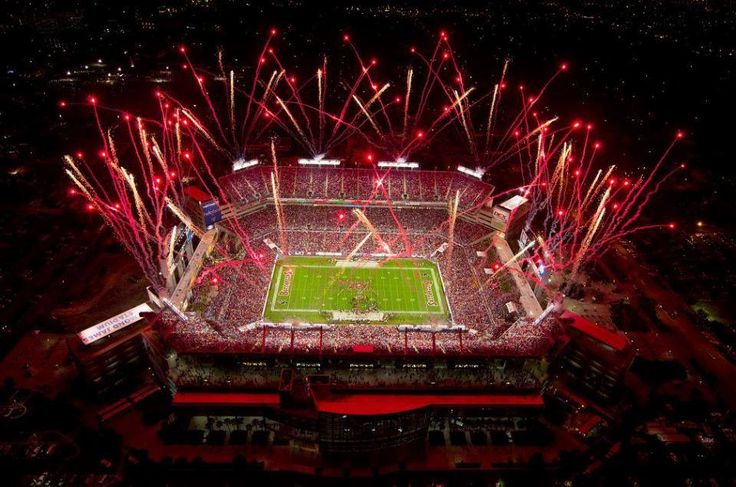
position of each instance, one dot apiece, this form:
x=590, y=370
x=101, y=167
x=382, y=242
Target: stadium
x=353, y=317
x=247, y=310
x=356, y=305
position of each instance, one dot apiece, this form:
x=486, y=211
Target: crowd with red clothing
x=226, y=308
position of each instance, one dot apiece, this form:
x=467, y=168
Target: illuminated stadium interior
x=276, y=304
x=394, y=291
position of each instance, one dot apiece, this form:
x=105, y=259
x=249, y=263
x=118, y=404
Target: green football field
x=326, y=290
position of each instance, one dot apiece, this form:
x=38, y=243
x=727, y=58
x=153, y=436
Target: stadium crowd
x=226, y=306
x=254, y=184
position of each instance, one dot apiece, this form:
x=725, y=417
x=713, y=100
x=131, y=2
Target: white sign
x=430, y=328
x=117, y=322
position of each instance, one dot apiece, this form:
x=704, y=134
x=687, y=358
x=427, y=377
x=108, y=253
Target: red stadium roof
x=225, y=399
x=614, y=340
x=363, y=403
x=197, y=194
x=376, y=403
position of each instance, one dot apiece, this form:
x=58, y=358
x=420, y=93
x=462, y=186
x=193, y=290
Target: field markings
x=299, y=287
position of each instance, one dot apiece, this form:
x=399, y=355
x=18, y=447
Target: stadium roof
x=225, y=399
x=362, y=403
x=603, y=335
x=513, y=202
x=377, y=403
x=197, y=194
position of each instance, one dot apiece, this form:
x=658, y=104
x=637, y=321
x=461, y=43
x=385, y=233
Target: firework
x=452, y=210
x=578, y=207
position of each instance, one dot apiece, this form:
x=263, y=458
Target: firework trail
x=372, y=229
x=276, y=191
x=331, y=111
x=452, y=209
x=142, y=200
x=583, y=210
x=513, y=259
x=417, y=123
x=578, y=208
x=241, y=131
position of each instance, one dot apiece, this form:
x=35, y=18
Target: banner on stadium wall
x=211, y=213
x=432, y=329
x=117, y=322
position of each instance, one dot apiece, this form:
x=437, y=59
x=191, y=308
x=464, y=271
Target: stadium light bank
x=319, y=160
x=478, y=173
x=242, y=163
x=399, y=164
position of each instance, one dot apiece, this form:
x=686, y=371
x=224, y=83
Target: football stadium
x=349, y=307
x=389, y=247
x=357, y=303
x=358, y=272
